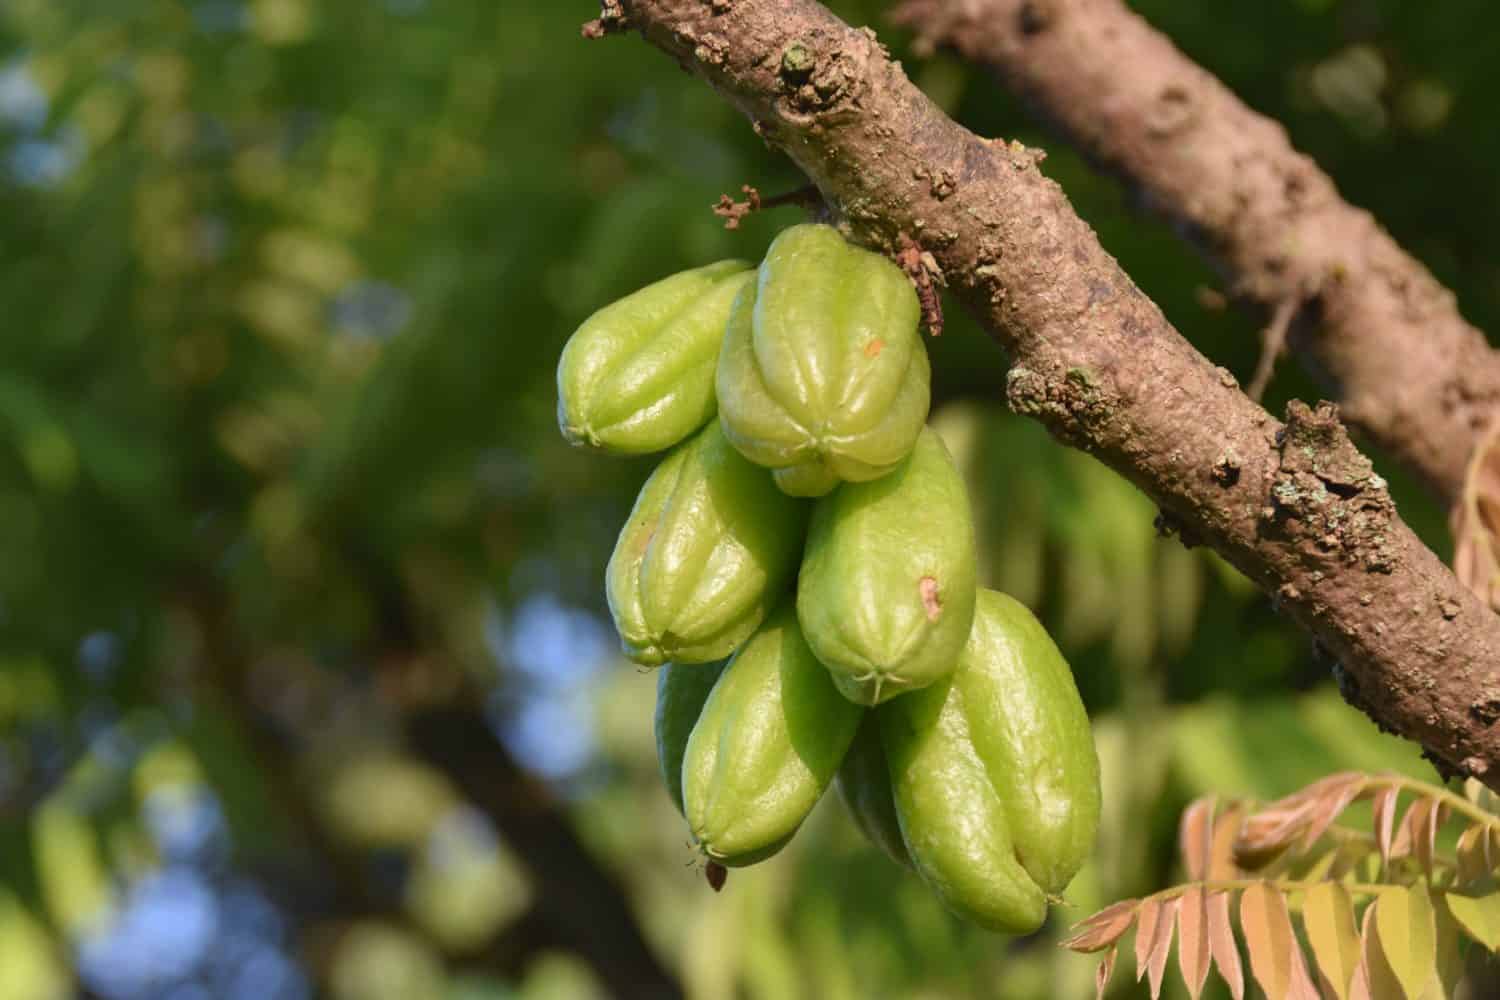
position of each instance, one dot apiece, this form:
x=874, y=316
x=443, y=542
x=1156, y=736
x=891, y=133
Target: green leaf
x=1450, y=962
x=1479, y=916
x=1408, y=938
x=74, y=876
x=1374, y=978
x=30, y=967
x=1328, y=916
x=1475, y=851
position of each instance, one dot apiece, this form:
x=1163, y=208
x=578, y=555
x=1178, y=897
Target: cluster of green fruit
x=945, y=712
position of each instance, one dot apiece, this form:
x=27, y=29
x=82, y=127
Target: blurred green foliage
x=284, y=284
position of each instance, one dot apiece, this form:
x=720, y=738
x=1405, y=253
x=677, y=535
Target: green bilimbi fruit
x=864, y=783
x=994, y=774
x=887, y=587
x=709, y=549
x=823, y=376
x=638, y=375
x=766, y=746
x=681, y=690
x=1031, y=729
x=953, y=822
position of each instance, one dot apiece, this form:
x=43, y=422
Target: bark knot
x=1326, y=496
x=611, y=20
x=1036, y=15
x=817, y=82
x=1486, y=711
x=797, y=62
x=1170, y=526
x=1172, y=111
x=1072, y=406
x=1226, y=469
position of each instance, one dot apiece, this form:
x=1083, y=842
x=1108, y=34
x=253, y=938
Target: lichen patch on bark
x=1327, y=495
x=1072, y=406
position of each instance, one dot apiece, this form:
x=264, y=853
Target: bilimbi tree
x=1289, y=500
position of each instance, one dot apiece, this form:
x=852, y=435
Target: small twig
x=611, y=20
x=731, y=211
x=923, y=270
x=1272, y=340
x=932, y=21
x=1210, y=298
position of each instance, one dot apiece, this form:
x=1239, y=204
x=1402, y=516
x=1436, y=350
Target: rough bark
x=1373, y=324
x=1296, y=507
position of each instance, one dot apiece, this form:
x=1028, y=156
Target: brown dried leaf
x=1195, y=837
x=1226, y=829
x=1427, y=842
x=1268, y=936
x=1328, y=786
x=1271, y=831
x=1274, y=821
x=1193, y=956
x=1359, y=986
x=1384, y=815
x=1401, y=842
x=1338, y=791
x=1222, y=944
x=1302, y=987
x=1145, y=934
x=1103, y=928
x=1103, y=972
x=1417, y=833
x=1161, y=944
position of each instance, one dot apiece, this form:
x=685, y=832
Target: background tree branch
x=580, y=906
x=1295, y=507
x=1372, y=324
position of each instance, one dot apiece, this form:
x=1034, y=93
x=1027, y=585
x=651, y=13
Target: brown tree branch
x=579, y=907
x=1302, y=513
x=1272, y=341
x=1380, y=332
x=579, y=902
